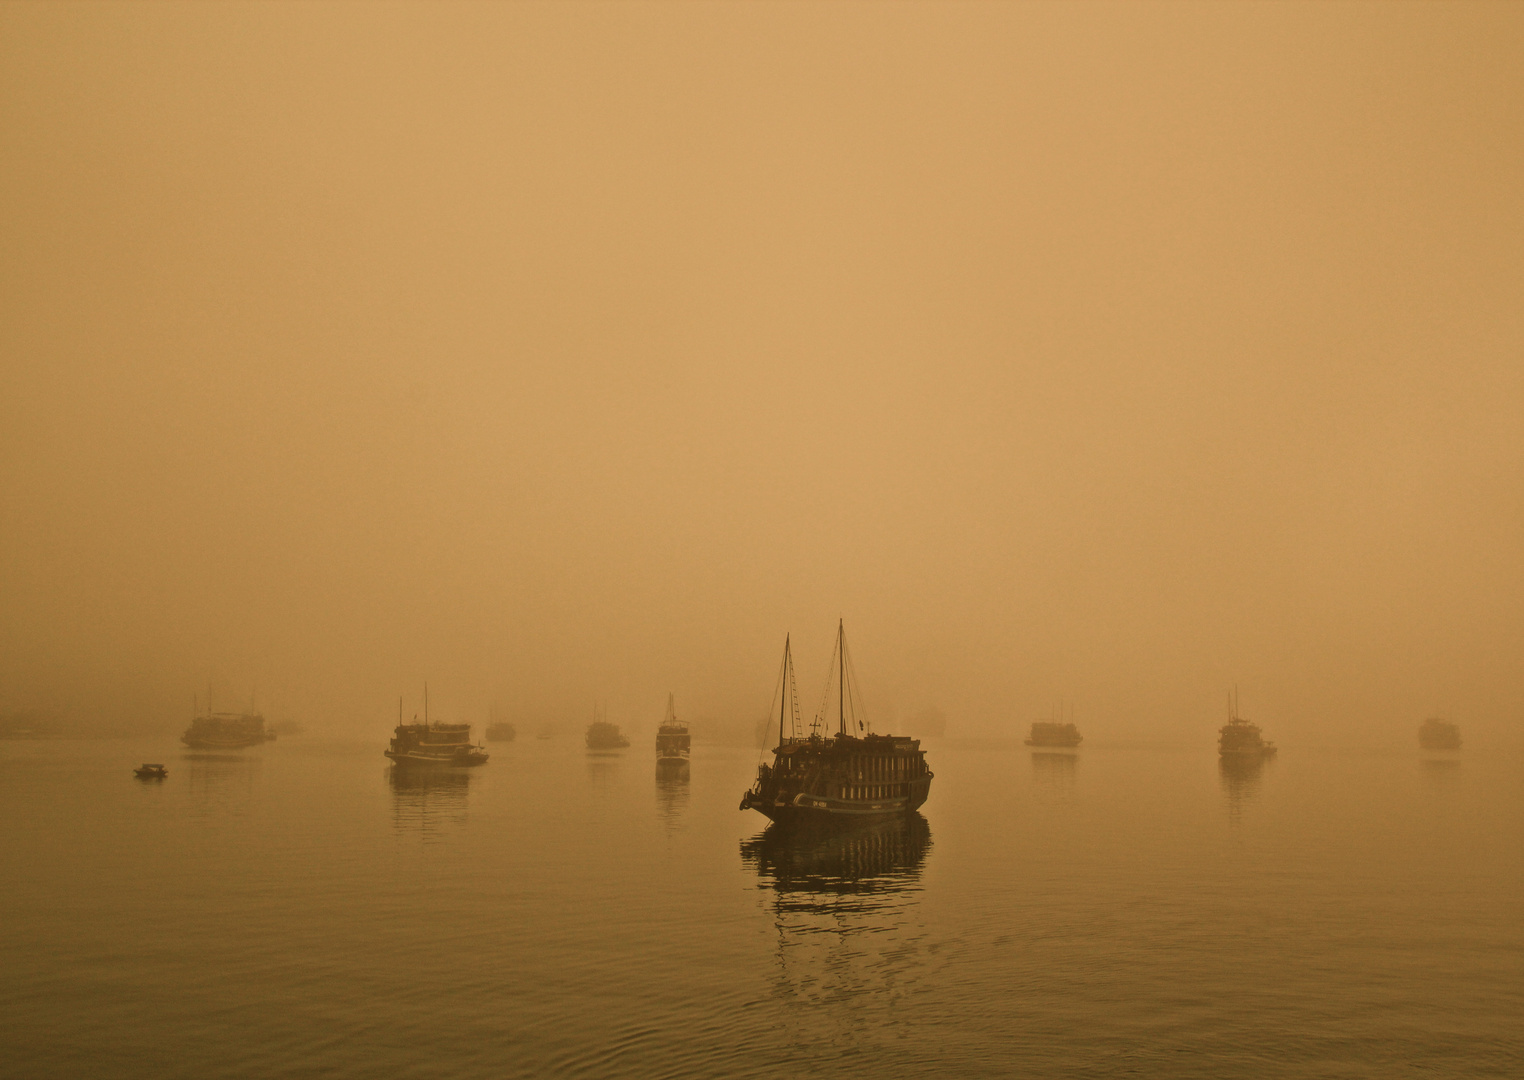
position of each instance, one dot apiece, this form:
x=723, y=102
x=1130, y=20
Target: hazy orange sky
x=1117, y=353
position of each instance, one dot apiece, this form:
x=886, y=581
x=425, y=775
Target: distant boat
x=148, y=771
x=1054, y=734
x=226, y=731
x=672, y=739
x=602, y=735
x=854, y=776
x=501, y=731
x=1239, y=738
x=1437, y=734
x=432, y=744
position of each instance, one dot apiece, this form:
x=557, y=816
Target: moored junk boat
x=1240, y=739
x=851, y=777
x=602, y=735
x=1437, y=734
x=1047, y=735
x=226, y=731
x=672, y=739
x=432, y=743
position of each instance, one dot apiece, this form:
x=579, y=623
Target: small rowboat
x=148, y=771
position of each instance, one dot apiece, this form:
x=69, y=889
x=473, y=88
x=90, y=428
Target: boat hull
x=431, y=761
x=805, y=808
x=221, y=744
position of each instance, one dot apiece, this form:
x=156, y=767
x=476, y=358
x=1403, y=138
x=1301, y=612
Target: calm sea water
x=300, y=910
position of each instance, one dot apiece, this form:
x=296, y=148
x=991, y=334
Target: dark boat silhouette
x=150, y=771
x=672, y=738
x=851, y=777
x=226, y=731
x=432, y=744
x=1437, y=734
x=1054, y=734
x=1239, y=738
x=602, y=735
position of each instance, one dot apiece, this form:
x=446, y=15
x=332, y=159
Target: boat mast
x=841, y=678
x=783, y=691
x=425, y=704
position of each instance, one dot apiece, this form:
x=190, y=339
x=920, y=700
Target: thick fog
x=561, y=355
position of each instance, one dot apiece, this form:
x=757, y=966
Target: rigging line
x=825, y=695
x=793, y=696
x=762, y=750
x=855, y=694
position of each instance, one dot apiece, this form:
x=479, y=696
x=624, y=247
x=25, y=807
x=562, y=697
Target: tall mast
x=425, y=704
x=783, y=691
x=841, y=678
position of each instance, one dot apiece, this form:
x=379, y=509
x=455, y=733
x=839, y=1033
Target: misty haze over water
x=1090, y=361
x=1116, y=354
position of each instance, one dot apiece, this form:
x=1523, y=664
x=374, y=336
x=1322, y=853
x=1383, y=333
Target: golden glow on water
x=1100, y=355
x=1112, y=912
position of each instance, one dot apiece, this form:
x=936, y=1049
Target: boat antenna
x=399, y=710
x=425, y=704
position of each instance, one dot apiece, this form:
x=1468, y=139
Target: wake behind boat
x=852, y=777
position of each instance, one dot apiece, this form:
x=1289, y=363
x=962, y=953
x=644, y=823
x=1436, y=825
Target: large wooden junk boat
x=1240, y=739
x=226, y=731
x=433, y=744
x=852, y=776
x=1437, y=734
x=672, y=740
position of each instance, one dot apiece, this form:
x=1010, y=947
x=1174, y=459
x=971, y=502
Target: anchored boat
x=1239, y=738
x=433, y=744
x=226, y=731
x=852, y=776
x=1054, y=734
x=1437, y=734
x=602, y=735
x=672, y=739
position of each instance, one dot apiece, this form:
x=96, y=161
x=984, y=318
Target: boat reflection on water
x=1241, y=778
x=846, y=908
x=1440, y=768
x=218, y=784
x=424, y=799
x=671, y=793
x=1054, y=768
x=870, y=868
